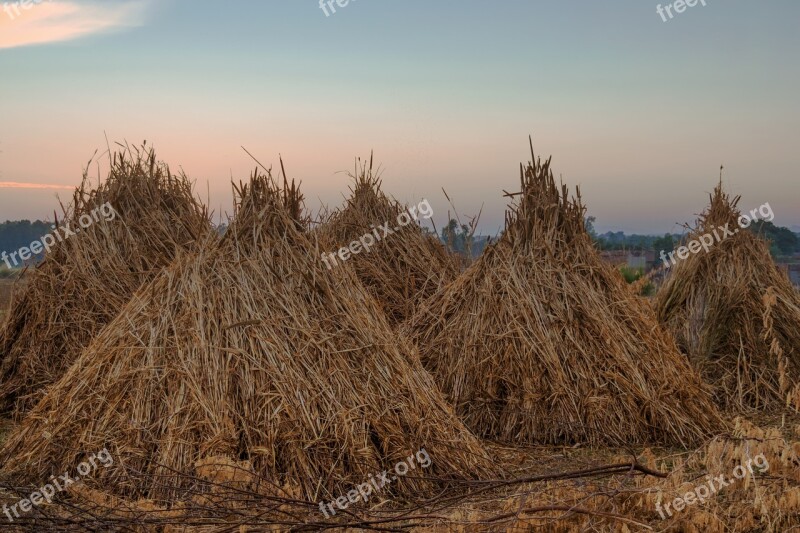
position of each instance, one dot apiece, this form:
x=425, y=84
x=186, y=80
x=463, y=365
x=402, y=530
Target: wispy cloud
x=49, y=21
x=17, y=185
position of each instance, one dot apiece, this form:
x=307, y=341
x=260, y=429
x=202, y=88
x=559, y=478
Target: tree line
x=782, y=241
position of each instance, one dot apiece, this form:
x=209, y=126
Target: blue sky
x=639, y=112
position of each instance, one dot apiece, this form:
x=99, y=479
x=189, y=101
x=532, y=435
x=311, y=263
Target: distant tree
x=589, y=223
x=782, y=240
x=457, y=238
x=21, y=233
x=665, y=244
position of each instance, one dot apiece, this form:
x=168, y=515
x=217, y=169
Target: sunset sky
x=639, y=112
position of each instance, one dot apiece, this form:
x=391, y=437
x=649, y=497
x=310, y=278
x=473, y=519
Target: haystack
x=251, y=354
x=735, y=314
x=403, y=268
x=540, y=341
x=88, y=277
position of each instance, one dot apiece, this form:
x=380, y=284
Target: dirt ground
x=572, y=489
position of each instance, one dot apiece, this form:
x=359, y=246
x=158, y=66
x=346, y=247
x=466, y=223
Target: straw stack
x=401, y=270
x=249, y=353
x=735, y=314
x=539, y=341
x=88, y=277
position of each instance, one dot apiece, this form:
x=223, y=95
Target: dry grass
x=248, y=353
x=6, y=288
x=87, y=278
x=765, y=501
x=553, y=490
x=541, y=341
x=401, y=270
x=243, y=382
x=736, y=315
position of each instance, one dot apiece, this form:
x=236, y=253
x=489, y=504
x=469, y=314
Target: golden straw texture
x=86, y=279
x=249, y=351
x=401, y=270
x=540, y=341
x=735, y=315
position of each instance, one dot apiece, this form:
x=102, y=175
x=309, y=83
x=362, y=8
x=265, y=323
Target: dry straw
x=252, y=356
x=401, y=270
x=540, y=341
x=86, y=279
x=736, y=315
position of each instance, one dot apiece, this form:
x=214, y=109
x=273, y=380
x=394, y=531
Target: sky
x=637, y=111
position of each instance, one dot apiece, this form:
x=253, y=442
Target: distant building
x=644, y=260
x=615, y=258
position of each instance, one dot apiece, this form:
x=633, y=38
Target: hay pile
x=735, y=315
x=401, y=270
x=540, y=341
x=766, y=499
x=250, y=354
x=87, y=278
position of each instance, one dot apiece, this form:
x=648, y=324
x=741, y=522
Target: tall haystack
x=403, y=268
x=88, y=276
x=735, y=314
x=540, y=341
x=251, y=354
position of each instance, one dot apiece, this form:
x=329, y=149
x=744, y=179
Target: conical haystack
x=539, y=341
x=403, y=268
x=735, y=314
x=249, y=353
x=86, y=278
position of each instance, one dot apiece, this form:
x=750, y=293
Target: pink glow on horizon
x=17, y=185
x=55, y=21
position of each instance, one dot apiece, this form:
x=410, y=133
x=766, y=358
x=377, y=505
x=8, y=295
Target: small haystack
x=735, y=314
x=540, y=341
x=403, y=268
x=249, y=354
x=88, y=276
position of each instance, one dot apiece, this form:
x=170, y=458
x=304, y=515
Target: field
x=236, y=382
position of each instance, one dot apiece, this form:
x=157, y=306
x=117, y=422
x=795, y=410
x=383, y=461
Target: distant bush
x=648, y=290
x=634, y=274
x=6, y=272
x=631, y=274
